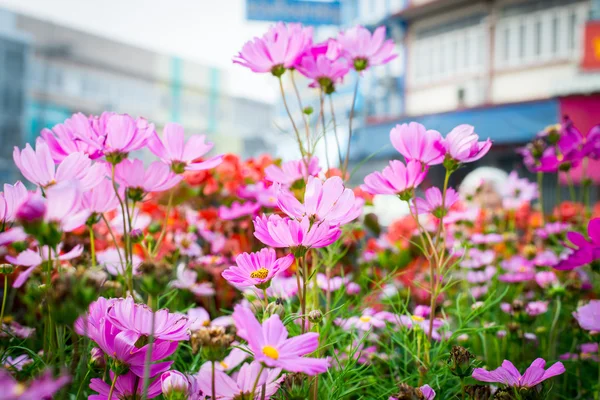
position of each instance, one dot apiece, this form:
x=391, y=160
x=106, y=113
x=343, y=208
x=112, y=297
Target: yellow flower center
x=417, y=318
x=19, y=389
x=206, y=323
x=186, y=243
x=260, y=273
x=224, y=365
x=522, y=269
x=270, y=352
x=365, y=318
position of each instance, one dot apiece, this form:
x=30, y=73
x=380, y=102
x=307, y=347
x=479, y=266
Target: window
x=537, y=41
x=571, y=31
x=555, y=31
x=522, y=33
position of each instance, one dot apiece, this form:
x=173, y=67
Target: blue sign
x=307, y=12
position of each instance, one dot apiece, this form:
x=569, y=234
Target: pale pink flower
x=396, y=179
x=292, y=171
x=462, y=145
x=157, y=177
x=363, y=49
x=181, y=156
x=414, y=142
x=187, y=243
x=10, y=201
x=64, y=139
x=112, y=259
x=238, y=210
x=322, y=64
x=200, y=318
x=186, y=279
x=432, y=203
x=101, y=199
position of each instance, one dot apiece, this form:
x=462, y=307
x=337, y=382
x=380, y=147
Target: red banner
x=591, y=50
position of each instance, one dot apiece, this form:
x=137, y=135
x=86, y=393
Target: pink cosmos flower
x=432, y=203
x=16, y=363
x=43, y=387
x=114, y=263
x=62, y=206
x=38, y=167
x=414, y=142
x=462, y=145
x=323, y=66
x=327, y=201
x=234, y=358
x=364, y=50
x=546, y=278
x=128, y=386
x=126, y=315
x=518, y=269
x=101, y=199
x=182, y=156
x=186, y=279
x=200, y=318
x=508, y=375
x=90, y=324
x=517, y=191
x=588, y=316
x=63, y=140
x=369, y=319
x=10, y=201
x=588, y=351
x=187, y=243
x=535, y=308
x=32, y=259
x=257, y=269
x=278, y=49
x=586, y=251
x=397, y=178
x=552, y=229
x=270, y=344
x=157, y=178
x=265, y=196
x=292, y=171
x=283, y=288
x=247, y=380
x=276, y=231
x=173, y=383
x=481, y=276
x=238, y=210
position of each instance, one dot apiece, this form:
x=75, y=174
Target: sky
x=208, y=31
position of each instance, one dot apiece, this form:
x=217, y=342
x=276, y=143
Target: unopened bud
x=459, y=362
x=479, y=392
x=97, y=357
x=6, y=269
x=33, y=209
x=213, y=341
x=308, y=110
x=136, y=235
x=174, y=385
x=275, y=307
x=315, y=316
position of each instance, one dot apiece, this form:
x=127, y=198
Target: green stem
x=335, y=133
x=148, y=360
x=164, y=227
x=304, y=117
x=346, y=160
x=4, y=298
x=262, y=367
x=287, y=109
x=82, y=383
x=266, y=299
x=571, y=187
x=112, y=387
x=92, y=247
x=322, y=116
x=304, y=276
x=213, y=382
x=552, y=344
x=540, y=183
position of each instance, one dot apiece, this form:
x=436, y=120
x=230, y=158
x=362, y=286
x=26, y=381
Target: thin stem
x=304, y=276
x=345, y=168
x=112, y=387
x=114, y=238
x=571, y=187
x=552, y=344
x=213, y=384
x=558, y=189
x=92, y=246
x=322, y=116
x=335, y=133
x=287, y=109
x=262, y=367
x=164, y=227
x=148, y=360
x=540, y=182
x=4, y=298
x=304, y=116
x=266, y=298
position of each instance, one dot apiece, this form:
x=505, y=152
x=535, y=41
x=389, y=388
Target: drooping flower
x=43, y=387
x=586, y=251
x=157, y=178
x=257, y=269
x=414, y=142
x=280, y=48
x=186, y=279
x=292, y=171
x=508, y=375
x=38, y=167
x=10, y=201
x=397, y=179
x=363, y=49
x=432, y=203
x=276, y=231
x=327, y=201
x=181, y=156
x=462, y=145
x=127, y=386
x=588, y=316
x=270, y=344
x=238, y=210
x=250, y=377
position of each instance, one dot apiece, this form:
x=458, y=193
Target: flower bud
x=136, y=235
x=308, y=110
x=213, y=341
x=175, y=385
x=6, y=269
x=406, y=392
x=479, y=392
x=352, y=288
x=460, y=361
x=315, y=316
x=275, y=307
x=32, y=210
x=97, y=357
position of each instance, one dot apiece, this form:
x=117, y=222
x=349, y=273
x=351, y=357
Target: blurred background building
x=49, y=71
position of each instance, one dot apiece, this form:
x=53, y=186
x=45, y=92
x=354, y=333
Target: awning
x=514, y=123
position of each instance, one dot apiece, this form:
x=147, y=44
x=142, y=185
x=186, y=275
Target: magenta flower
x=270, y=344
x=128, y=386
x=128, y=316
x=276, y=231
x=518, y=269
x=38, y=167
x=44, y=387
x=292, y=171
x=323, y=66
x=369, y=319
x=238, y=210
x=508, y=375
x=90, y=324
x=182, y=156
x=546, y=278
x=481, y=276
x=186, y=279
x=414, y=142
x=101, y=199
x=10, y=201
x=278, y=49
x=588, y=316
x=247, y=380
x=585, y=251
x=63, y=139
x=462, y=145
x=257, y=269
x=327, y=201
x=16, y=363
x=535, y=308
x=157, y=178
x=432, y=203
x=173, y=383
x=397, y=179
x=364, y=50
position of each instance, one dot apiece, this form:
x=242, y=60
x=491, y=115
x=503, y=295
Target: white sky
x=207, y=31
